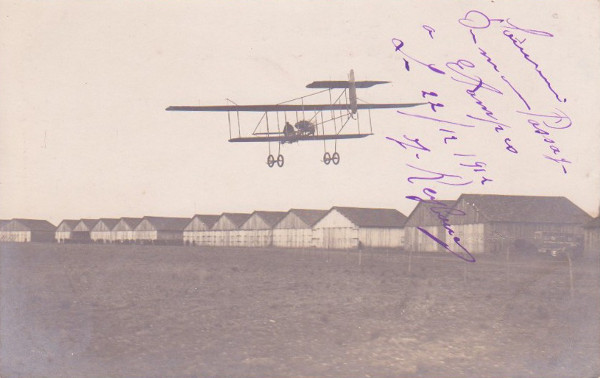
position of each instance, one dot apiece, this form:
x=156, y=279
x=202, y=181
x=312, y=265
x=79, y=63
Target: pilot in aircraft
x=288, y=129
x=321, y=126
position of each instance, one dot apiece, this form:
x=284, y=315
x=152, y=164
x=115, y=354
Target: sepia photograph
x=306, y=189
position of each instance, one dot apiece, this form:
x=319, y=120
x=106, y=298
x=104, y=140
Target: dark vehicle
x=556, y=243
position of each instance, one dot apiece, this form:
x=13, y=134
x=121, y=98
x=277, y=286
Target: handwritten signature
x=482, y=88
x=443, y=212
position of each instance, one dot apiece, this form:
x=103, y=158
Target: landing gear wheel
x=326, y=158
x=335, y=158
x=280, y=160
x=270, y=161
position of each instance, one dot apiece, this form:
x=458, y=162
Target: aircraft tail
x=351, y=84
x=352, y=92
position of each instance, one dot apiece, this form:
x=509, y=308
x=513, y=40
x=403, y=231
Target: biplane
x=295, y=120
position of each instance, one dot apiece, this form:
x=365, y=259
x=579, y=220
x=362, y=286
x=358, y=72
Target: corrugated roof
x=110, y=222
x=448, y=203
x=526, y=209
x=271, y=217
x=366, y=217
x=168, y=223
x=594, y=223
x=237, y=218
x=88, y=223
x=309, y=216
x=69, y=222
x=4, y=222
x=35, y=224
x=131, y=222
x=208, y=219
x=428, y=218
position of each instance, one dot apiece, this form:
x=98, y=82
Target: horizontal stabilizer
x=343, y=84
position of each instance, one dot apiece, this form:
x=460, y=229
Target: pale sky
x=84, y=86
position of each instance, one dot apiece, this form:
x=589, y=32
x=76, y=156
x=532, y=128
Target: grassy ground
x=148, y=311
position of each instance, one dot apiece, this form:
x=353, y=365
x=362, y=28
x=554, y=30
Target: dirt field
x=146, y=311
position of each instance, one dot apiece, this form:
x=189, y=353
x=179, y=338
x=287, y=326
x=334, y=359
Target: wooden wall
x=293, y=237
x=417, y=241
x=372, y=237
x=27, y=236
x=592, y=241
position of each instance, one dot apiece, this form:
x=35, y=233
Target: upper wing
x=285, y=107
x=343, y=84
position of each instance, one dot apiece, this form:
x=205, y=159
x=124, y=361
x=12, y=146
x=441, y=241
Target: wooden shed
x=64, y=230
x=592, y=237
x=345, y=227
x=160, y=230
x=81, y=232
x=27, y=230
x=222, y=231
x=295, y=229
x=123, y=230
x=500, y=223
x=197, y=232
x=102, y=231
x=257, y=230
x=430, y=216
